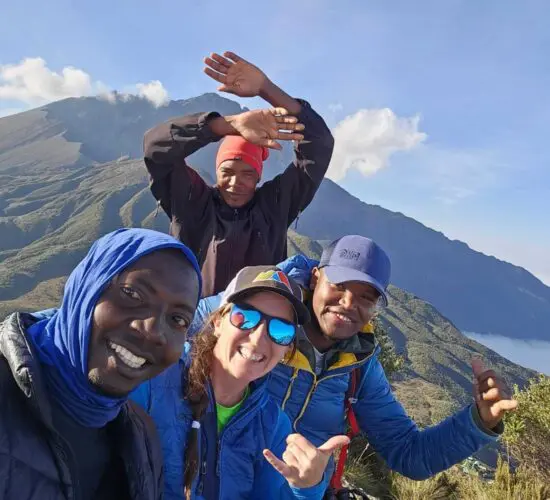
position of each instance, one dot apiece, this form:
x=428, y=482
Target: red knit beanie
x=234, y=147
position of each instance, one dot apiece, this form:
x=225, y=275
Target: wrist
x=278, y=98
x=490, y=428
x=223, y=125
x=267, y=89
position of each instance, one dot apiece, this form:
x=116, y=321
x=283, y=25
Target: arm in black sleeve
x=166, y=147
x=292, y=191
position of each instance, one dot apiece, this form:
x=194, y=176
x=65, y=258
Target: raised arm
x=166, y=147
x=293, y=190
x=416, y=453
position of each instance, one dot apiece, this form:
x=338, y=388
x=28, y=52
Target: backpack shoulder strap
x=351, y=398
x=336, y=480
x=352, y=387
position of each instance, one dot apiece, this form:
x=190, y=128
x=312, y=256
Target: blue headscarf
x=62, y=340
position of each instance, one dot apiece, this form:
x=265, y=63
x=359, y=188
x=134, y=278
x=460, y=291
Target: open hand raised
x=265, y=127
x=236, y=75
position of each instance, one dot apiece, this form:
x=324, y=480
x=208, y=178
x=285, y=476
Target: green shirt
x=224, y=413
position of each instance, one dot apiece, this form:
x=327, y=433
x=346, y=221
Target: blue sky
x=462, y=145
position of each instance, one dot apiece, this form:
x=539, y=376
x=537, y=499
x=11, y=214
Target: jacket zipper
x=199, y=478
x=220, y=440
x=230, y=253
x=64, y=450
x=232, y=422
x=262, y=242
x=316, y=382
x=289, y=389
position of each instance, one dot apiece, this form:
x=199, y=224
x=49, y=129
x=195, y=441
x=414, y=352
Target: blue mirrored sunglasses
x=246, y=317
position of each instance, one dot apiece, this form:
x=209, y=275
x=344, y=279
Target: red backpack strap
x=336, y=480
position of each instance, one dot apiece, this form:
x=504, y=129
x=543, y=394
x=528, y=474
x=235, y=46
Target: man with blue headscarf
x=67, y=430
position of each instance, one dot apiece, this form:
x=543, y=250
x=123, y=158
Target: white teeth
x=248, y=354
x=128, y=357
x=342, y=317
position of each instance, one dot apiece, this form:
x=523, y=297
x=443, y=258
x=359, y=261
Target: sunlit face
x=248, y=355
x=237, y=182
x=342, y=309
x=140, y=322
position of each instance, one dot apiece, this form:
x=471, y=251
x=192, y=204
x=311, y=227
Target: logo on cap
x=274, y=276
x=349, y=254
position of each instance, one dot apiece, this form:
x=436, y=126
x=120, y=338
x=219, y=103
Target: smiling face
x=247, y=355
x=342, y=309
x=140, y=322
x=237, y=182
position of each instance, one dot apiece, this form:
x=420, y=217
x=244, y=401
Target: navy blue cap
x=356, y=258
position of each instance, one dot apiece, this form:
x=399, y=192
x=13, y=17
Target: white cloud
x=335, y=107
x=31, y=82
x=366, y=140
x=153, y=91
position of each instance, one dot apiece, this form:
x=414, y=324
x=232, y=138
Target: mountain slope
x=86, y=130
x=57, y=195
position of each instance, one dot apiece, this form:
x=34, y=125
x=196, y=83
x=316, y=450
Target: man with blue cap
x=67, y=429
x=335, y=369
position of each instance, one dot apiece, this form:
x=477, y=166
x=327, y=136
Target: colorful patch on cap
x=274, y=276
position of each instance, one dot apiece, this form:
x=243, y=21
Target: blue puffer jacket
x=315, y=404
x=240, y=470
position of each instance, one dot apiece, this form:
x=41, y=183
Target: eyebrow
x=154, y=291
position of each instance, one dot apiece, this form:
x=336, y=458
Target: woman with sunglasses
x=222, y=435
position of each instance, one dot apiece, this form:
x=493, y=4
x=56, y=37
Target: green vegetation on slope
x=526, y=438
x=304, y=245
x=46, y=295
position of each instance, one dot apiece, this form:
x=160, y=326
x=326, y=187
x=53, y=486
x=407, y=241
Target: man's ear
x=315, y=275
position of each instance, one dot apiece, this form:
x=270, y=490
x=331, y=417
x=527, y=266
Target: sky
x=440, y=109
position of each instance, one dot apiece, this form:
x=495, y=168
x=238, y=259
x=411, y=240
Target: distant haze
x=534, y=354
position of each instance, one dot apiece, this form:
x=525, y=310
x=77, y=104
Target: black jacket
x=225, y=239
x=35, y=461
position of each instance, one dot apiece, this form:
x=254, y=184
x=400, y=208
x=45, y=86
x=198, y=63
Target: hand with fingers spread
x=236, y=75
x=303, y=464
x=265, y=127
x=491, y=394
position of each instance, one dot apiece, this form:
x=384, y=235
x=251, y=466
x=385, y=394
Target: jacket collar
x=24, y=364
x=227, y=212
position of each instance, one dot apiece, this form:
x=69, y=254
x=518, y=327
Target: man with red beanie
x=234, y=224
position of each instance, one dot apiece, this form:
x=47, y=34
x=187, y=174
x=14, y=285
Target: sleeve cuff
x=306, y=107
x=494, y=433
x=205, y=130
x=316, y=491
